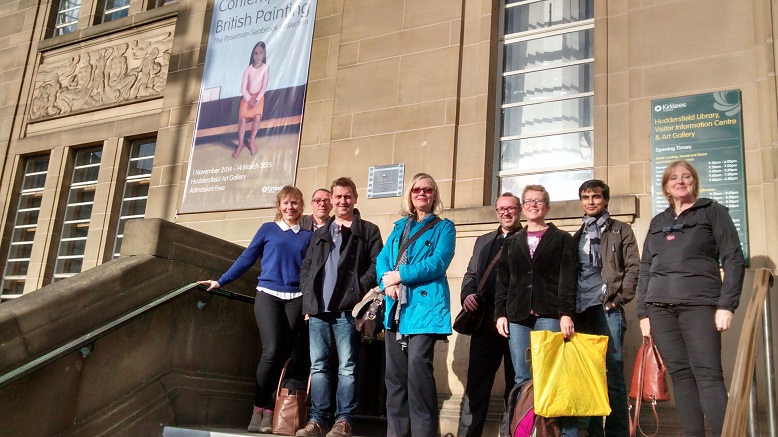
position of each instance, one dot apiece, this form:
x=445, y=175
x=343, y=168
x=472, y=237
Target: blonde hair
x=539, y=189
x=408, y=209
x=289, y=191
x=668, y=172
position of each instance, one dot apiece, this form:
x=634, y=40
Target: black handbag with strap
x=467, y=322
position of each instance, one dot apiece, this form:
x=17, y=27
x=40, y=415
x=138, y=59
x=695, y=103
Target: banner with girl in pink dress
x=249, y=115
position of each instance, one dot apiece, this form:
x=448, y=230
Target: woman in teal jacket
x=418, y=310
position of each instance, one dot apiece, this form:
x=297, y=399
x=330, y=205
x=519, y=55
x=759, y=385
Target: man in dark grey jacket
x=608, y=265
x=321, y=205
x=487, y=347
x=339, y=268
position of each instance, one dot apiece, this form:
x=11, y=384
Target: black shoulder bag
x=467, y=322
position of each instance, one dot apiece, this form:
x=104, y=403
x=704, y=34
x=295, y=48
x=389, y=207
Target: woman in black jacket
x=682, y=299
x=536, y=284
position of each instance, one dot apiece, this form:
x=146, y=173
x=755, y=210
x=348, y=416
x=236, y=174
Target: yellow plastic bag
x=569, y=376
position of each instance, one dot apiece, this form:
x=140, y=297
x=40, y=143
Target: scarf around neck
x=593, y=234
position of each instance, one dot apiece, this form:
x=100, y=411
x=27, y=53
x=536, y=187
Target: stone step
x=362, y=428
x=172, y=431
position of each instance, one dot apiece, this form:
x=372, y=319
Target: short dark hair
x=345, y=182
x=593, y=185
x=511, y=195
x=313, y=196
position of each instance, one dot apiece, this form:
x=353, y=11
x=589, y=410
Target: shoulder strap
x=485, y=277
x=413, y=238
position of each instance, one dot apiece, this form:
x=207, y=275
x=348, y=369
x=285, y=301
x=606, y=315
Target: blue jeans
x=618, y=421
x=324, y=329
x=594, y=320
x=519, y=343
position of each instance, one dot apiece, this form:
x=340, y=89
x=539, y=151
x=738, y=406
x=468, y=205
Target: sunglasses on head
x=674, y=228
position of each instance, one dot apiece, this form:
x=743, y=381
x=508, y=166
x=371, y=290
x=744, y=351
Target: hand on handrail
x=210, y=284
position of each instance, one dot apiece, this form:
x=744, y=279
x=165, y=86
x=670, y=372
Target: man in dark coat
x=321, y=205
x=487, y=347
x=338, y=270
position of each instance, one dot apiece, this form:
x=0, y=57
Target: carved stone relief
x=106, y=76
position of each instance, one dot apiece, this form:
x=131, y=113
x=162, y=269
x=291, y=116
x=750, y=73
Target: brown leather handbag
x=649, y=383
x=291, y=409
x=369, y=314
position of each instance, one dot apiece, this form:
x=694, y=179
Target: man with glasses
x=487, y=348
x=321, y=205
x=608, y=264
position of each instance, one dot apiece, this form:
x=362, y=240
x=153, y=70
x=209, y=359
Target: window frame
x=106, y=12
x=58, y=28
x=504, y=41
x=142, y=178
x=92, y=184
x=37, y=191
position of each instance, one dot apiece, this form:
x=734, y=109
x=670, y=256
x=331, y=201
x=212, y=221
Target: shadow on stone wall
x=176, y=364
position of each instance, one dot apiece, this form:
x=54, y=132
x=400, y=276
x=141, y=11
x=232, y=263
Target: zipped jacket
x=620, y=261
x=681, y=256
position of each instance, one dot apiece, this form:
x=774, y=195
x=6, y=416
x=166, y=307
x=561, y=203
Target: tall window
x=115, y=9
x=136, y=187
x=25, y=226
x=75, y=227
x=67, y=16
x=547, y=110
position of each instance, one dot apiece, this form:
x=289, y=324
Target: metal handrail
x=767, y=342
x=83, y=341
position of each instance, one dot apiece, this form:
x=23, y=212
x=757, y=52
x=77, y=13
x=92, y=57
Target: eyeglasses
x=536, y=202
x=673, y=228
x=322, y=201
x=503, y=210
x=426, y=190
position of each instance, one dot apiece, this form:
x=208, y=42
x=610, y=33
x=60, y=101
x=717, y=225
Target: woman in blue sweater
x=280, y=247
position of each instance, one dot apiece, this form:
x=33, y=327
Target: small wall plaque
x=385, y=181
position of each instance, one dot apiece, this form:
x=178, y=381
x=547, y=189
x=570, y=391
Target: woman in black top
x=536, y=285
x=682, y=299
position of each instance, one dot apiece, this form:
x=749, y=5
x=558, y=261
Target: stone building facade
x=108, y=103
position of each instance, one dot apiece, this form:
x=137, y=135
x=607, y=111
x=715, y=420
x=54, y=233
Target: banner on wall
x=706, y=130
x=247, y=129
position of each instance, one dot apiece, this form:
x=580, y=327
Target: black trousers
x=411, y=394
x=690, y=346
x=487, y=350
x=279, y=323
